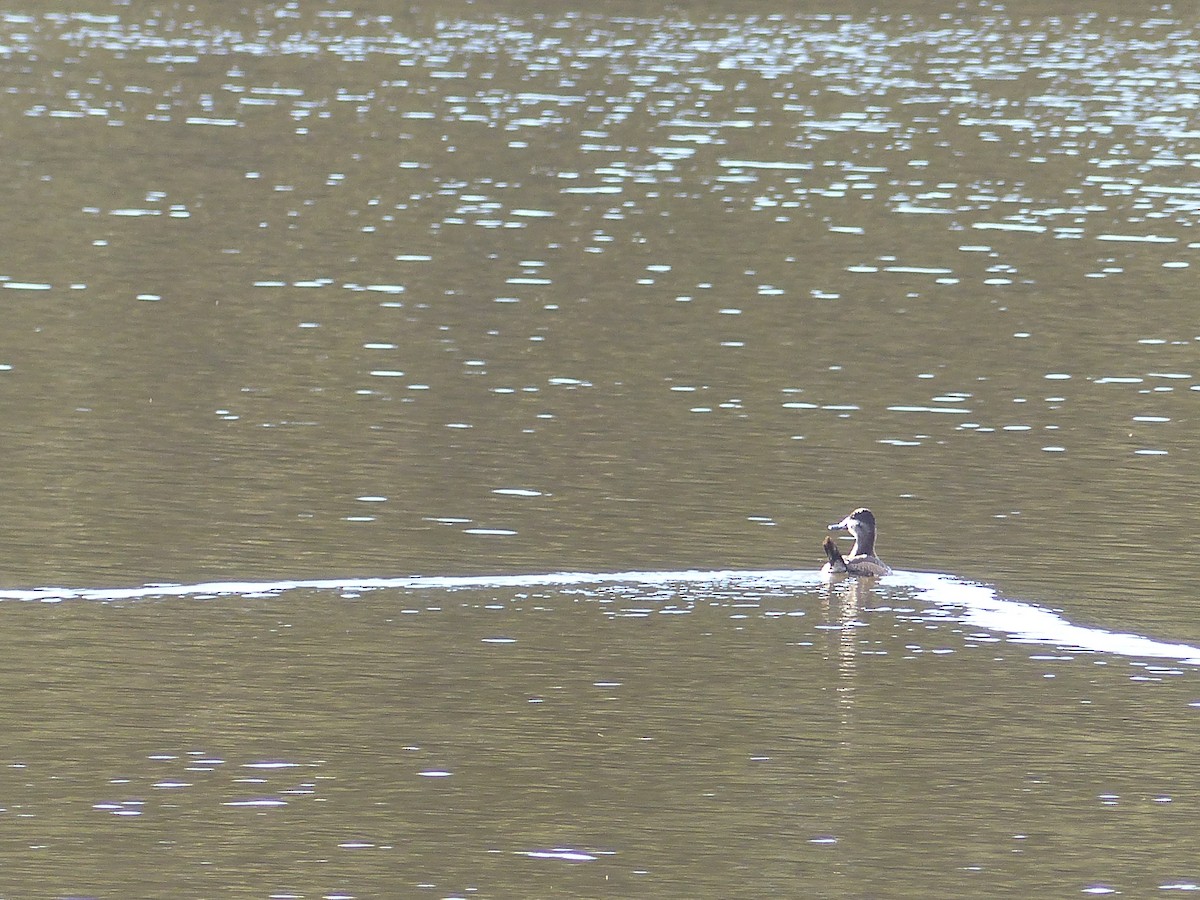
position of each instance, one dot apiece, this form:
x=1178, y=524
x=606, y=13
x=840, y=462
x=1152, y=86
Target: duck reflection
x=841, y=603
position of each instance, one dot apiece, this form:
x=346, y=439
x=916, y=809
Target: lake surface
x=472, y=386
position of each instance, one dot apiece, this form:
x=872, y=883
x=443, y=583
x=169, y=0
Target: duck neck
x=864, y=544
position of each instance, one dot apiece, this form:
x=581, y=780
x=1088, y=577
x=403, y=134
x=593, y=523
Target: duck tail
x=829, y=545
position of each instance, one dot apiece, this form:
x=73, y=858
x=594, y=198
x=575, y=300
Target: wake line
x=415, y=583
x=971, y=604
x=1027, y=623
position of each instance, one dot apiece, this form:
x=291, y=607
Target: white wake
x=971, y=604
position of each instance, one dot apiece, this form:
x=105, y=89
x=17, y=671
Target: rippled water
x=311, y=311
x=675, y=733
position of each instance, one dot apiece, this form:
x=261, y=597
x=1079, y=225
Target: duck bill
x=843, y=525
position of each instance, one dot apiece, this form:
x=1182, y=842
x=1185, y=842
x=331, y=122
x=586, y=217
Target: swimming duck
x=862, y=560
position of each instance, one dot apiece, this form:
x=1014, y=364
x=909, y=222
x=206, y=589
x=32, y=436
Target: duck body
x=861, y=561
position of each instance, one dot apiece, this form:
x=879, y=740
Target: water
x=311, y=313
x=660, y=733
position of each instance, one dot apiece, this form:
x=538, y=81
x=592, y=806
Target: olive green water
x=297, y=296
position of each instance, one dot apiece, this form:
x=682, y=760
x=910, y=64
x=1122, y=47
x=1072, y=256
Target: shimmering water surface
x=352, y=322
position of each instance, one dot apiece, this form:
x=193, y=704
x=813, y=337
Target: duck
x=862, y=560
